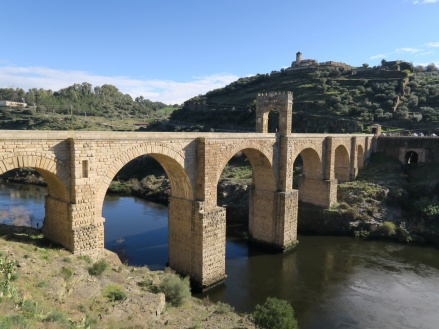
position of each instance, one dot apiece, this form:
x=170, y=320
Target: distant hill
x=331, y=98
x=78, y=107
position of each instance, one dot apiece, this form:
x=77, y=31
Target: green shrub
x=387, y=229
x=177, y=290
x=114, y=293
x=98, y=267
x=274, y=314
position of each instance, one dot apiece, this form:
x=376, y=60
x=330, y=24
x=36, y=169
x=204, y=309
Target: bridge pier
x=273, y=218
x=57, y=222
x=319, y=192
x=71, y=226
x=197, y=238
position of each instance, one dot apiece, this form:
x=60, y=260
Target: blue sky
x=172, y=50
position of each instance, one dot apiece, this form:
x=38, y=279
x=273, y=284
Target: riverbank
x=51, y=288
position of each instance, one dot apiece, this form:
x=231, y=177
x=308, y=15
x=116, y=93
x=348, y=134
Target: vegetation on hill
x=79, y=107
x=347, y=100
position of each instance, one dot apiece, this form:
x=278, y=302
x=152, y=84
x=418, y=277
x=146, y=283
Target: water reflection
x=141, y=227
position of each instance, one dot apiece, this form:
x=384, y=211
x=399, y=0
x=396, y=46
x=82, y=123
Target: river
x=332, y=282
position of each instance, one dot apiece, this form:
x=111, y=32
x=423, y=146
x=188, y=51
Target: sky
x=172, y=50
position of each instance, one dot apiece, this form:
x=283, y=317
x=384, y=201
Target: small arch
x=360, y=156
x=341, y=164
x=273, y=121
x=411, y=158
x=308, y=176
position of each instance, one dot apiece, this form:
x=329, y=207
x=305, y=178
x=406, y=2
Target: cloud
x=377, y=56
x=166, y=91
x=408, y=50
x=433, y=44
x=423, y=2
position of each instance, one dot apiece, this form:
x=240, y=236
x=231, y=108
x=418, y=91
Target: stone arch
x=260, y=160
x=55, y=172
x=341, y=164
x=360, y=156
x=171, y=161
x=312, y=164
x=411, y=157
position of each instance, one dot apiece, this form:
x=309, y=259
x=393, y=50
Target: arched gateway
x=79, y=166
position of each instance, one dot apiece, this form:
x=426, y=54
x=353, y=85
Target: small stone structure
x=426, y=149
x=79, y=166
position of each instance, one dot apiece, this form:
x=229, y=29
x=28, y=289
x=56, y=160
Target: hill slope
x=326, y=98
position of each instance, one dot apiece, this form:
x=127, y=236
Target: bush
x=98, y=267
x=176, y=289
x=387, y=229
x=115, y=293
x=274, y=314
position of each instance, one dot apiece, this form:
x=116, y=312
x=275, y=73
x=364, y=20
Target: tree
x=419, y=68
x=274, y=314
x=365, y=65
x=431, y=67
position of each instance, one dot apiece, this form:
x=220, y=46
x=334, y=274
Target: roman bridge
x=79, y=167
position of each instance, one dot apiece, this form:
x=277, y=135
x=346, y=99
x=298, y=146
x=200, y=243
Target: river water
x=332, y=282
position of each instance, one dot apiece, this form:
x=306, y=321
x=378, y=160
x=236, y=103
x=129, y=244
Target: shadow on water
x=147, y=248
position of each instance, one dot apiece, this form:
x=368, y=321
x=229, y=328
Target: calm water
x=332, y=282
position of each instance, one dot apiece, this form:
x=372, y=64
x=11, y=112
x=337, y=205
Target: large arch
x=55, y=172
x=57, y=221
x=341, y=164
x=171, y=161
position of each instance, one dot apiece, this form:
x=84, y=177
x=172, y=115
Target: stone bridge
x=79, y=167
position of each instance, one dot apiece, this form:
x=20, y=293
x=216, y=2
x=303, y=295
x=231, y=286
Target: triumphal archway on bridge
x=79, y=166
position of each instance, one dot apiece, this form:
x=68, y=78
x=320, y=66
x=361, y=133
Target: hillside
x=326, y=98
x=48, y=287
